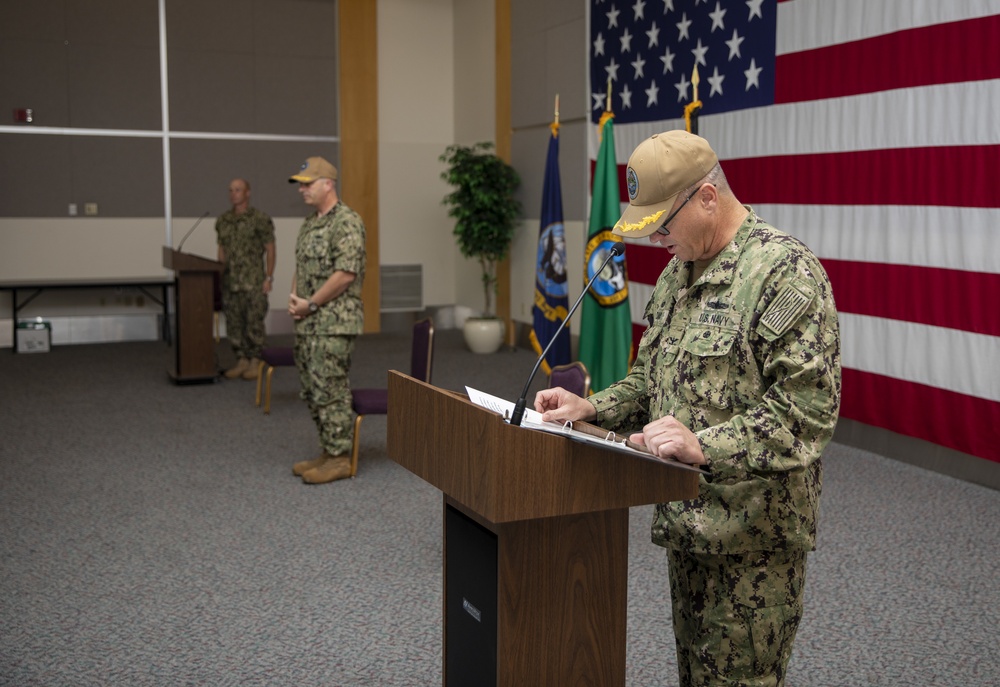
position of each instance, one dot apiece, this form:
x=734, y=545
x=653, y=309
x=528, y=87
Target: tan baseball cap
x=312, y=169
x=660, y=168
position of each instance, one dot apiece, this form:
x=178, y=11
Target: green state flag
x=606, y=324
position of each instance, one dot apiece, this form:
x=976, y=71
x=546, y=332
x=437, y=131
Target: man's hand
x=298, y=308
x=668, y=438
x=559, y=405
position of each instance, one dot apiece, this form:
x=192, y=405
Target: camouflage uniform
x=324, y=341
x=748, y=358
x=243, y=239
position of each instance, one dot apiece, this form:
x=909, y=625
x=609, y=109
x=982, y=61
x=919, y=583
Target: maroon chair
x=276, y=356
x=572, y=377
x=376, y=401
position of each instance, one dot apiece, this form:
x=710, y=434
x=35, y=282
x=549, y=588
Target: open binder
x=578, y=430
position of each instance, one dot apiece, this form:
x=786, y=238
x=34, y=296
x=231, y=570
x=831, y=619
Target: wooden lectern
x=535, y=541
x=193, y=309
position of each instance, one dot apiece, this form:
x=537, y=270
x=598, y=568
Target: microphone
x=181, y=244
x=617, y=248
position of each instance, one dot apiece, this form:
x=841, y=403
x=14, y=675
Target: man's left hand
x=298, y=308
x=668, y=438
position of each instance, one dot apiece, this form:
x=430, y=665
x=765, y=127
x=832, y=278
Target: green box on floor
x=33, y=336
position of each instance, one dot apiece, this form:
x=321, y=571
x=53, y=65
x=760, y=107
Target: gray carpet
x=154, y=535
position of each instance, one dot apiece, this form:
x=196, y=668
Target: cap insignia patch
x=632, y=181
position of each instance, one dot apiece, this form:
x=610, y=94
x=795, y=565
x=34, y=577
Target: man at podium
x=739, y=372
x=246, y=249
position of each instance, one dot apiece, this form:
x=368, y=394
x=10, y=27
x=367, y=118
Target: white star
x=612, y=17
x=668, y=60
x=717, y=16
x=651, y=94
x=638, y=8
x=682, y=88
x=654, y=35
x=668, y=6
x=682, y=27
x=598, y=100
x=637, y=65
x=599, y=45
x=626, y=97
x=716, y=80
x=753, y=75
x=754, y=6
x=734, y=45
x=699, y=53
x=626, y=40
x=612, y=70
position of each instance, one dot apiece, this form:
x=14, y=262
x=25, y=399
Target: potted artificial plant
x=485, y=213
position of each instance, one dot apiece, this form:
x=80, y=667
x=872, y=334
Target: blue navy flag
x=648, y=49
x=551, y=287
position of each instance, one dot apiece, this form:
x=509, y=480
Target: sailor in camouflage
x=738, y=372
x=326, y=305
x=246, y=249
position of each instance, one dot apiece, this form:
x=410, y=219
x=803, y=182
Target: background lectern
x=194, y=361
x=535, y=540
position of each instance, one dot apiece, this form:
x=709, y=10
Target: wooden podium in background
x=535, y=540
x=194, y=361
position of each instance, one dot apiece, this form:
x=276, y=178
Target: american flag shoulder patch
x=787, y=307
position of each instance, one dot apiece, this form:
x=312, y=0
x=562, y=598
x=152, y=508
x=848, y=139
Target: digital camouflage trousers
x=245, y=312
x=735, y=616
x=324, y=363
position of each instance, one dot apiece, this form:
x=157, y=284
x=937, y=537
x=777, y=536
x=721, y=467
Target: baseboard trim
x=917, y=452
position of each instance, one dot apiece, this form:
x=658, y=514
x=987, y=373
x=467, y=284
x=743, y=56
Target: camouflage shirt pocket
x=704, y=367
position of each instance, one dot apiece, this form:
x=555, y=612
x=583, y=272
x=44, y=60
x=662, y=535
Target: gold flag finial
x=554, y=126
x=691, y=109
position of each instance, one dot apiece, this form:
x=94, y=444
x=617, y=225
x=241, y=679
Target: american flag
x=868, y=129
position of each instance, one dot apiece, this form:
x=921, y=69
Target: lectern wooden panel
x=558, y=513
x=194, y=360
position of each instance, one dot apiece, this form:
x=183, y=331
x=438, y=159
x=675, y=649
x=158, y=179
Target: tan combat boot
x=236, y=370
x=253, y=369
x=304, y=466
x=329, y=471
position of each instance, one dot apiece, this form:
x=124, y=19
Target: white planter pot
x=483, y=335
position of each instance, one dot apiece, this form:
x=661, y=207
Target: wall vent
x=402, y=288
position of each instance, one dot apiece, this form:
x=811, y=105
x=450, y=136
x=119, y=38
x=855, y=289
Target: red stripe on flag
x=941, y=417
x=925, y=412
x=895, y=60
x=925, y=295
x=953, y=176
x=645, y=262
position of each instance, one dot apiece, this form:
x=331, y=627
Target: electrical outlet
x=90, y=209
x=72, y=209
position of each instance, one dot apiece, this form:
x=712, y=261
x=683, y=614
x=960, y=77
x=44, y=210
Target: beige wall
x=436, y=87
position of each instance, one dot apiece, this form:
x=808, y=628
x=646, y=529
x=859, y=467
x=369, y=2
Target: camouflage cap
x=312, y=169
x=660, y=168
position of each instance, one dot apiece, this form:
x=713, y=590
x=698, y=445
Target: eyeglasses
x=663, y=231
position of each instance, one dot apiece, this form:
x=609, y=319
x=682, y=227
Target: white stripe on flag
x=901, y=118
x=944, y=237
x=819, y=23
x=935, y=356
